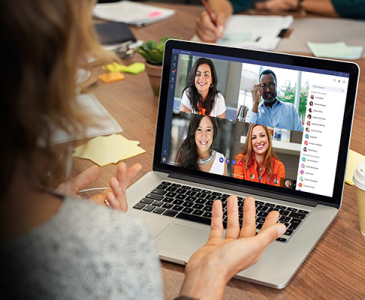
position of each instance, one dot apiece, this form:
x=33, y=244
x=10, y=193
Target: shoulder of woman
x=219, y=96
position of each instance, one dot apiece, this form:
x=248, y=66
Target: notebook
x=132, y=13
x=289, y=151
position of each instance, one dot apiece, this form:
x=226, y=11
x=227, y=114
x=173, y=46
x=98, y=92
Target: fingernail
x=116, y=182
x=112, y=195
x=281, y=229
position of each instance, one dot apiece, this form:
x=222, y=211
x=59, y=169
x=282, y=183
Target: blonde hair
x=247, y=151
x=45, y=42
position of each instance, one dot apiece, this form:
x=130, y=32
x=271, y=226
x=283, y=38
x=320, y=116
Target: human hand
x=256, y=95
x=205, y=28
x=277, y=5
x=211, y=267
x=115, y=194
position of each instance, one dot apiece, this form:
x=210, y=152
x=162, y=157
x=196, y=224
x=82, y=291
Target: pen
x=209, y=13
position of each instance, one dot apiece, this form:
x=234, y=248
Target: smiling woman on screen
x=201, y=95
x=196, y=150
x=258, y=161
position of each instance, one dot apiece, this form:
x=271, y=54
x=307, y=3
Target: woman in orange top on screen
x=258, y=161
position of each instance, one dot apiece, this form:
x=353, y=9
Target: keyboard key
x=180, y=197
x=284, y=219
x=198, y=206
x=270, y=209
x=190, y=193
x=198, y=212
x=225, y=196
x=296, y=221
x=154, y=196
x=162, y=186
x=207, y=208
x=166, y=183
x=260, y=220
x=211, y=197
x=176, y=185
x=139, y=205
x=149, y=208
x=262, y=208
x=159, y=210
x=196, y=190
x=181, y=191
x=280, y=207
x=168, y=200
x=147, y=201
x=259, y=225
x=206, y=192
x=171, y=194
x=188, y=217
x=190, y=198
x=259, y=203
x=170, y=213
x=293, y=226
x=303, y=212
x=159, y=192
x=178, y=207
x=240, y=203
x=157, y=203
x=178, y=202
x=201, y=195
x=187, y=204
x=291, y=209
x=284, y=212
x=200, y=201
x=207, y=215
x=209, y=202
x=168, y=206
x=297, y=216
x=240, y=198
x=289, y=232
x=171, y=189
x=269, y=204
x=280, y=239
x=262, y=214
x=188, y=210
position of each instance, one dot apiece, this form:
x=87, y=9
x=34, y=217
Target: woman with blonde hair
x=258, y=161
x=54, y=245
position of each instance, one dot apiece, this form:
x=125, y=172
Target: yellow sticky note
x=134, y=152
x=105, y=150
x=114, y=67
x=353, y=161
x=135, y=68
x=111, y=77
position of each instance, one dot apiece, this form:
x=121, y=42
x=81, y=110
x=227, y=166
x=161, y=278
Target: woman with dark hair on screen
x=258, y=161
x=196, y=150
x=201, y=95
x=55, y=245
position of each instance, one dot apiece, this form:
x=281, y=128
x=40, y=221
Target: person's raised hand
x=211, y=267
x=256, y=95
x=205, y=28
x=277, y=5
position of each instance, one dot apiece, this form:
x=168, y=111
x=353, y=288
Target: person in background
x=196, y=150
x=258, y=161
x=272, y=112
x=53, y=244
x=201, y=95
x=223, y=9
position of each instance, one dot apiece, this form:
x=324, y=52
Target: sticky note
x=104, y=150
x=335, y=50
x=155, y=14
x=111, y=77
x=353, y=160
x=114, y=67
x=135, y=68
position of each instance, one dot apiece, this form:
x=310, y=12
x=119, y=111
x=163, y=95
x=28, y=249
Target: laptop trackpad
x=181, y=240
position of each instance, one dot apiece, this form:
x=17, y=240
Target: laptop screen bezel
x=262, y=56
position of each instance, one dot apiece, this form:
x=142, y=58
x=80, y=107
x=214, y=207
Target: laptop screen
x=259, y=122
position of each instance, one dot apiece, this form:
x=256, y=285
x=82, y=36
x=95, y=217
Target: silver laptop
x=302, y=125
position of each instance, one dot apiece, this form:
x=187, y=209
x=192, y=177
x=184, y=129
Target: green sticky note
x=335, y=50
x=135, y=68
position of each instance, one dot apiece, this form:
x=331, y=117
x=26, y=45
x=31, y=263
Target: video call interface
x=255, y=121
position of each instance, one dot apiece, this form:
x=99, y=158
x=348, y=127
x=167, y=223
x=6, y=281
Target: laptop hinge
x=243, y=189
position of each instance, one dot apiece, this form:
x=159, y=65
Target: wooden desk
x=336, y=267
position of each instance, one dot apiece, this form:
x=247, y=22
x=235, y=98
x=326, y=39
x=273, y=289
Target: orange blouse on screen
x=251, y=173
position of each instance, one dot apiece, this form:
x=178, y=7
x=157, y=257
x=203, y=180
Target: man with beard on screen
x=272, y=112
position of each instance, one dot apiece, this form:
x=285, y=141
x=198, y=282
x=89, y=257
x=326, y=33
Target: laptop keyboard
x=195, y=204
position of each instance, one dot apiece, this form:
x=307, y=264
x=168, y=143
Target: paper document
x=105, y=150
x=132, y=13
x=106, y=124
x=353, y=160
x=254, y=32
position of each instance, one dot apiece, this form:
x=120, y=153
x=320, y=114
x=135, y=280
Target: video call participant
x=196, y=150
x=258, y=161
x=201, y=95
x=272, y=112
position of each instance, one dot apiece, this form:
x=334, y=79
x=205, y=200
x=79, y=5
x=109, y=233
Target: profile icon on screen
x=311, y=103
x=306, y=143
x=307, y=129
x=288, y=183
x=309, y=116
x=312, y=97
x=308, y=123
x=307, y=136
x=310, y=109
x=305, y=149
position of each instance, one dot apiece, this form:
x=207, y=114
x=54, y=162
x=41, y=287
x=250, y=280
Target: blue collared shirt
x=281, y=115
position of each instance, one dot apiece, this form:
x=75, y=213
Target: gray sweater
x=86, y=251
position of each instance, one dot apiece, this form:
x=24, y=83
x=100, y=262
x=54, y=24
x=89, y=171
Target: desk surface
x=336, y=267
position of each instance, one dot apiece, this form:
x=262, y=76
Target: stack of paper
x=132, y=13
x=254, y=32
x=335, y=50
x=105, y=150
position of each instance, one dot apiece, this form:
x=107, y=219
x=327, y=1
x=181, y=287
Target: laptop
x=306, y=129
